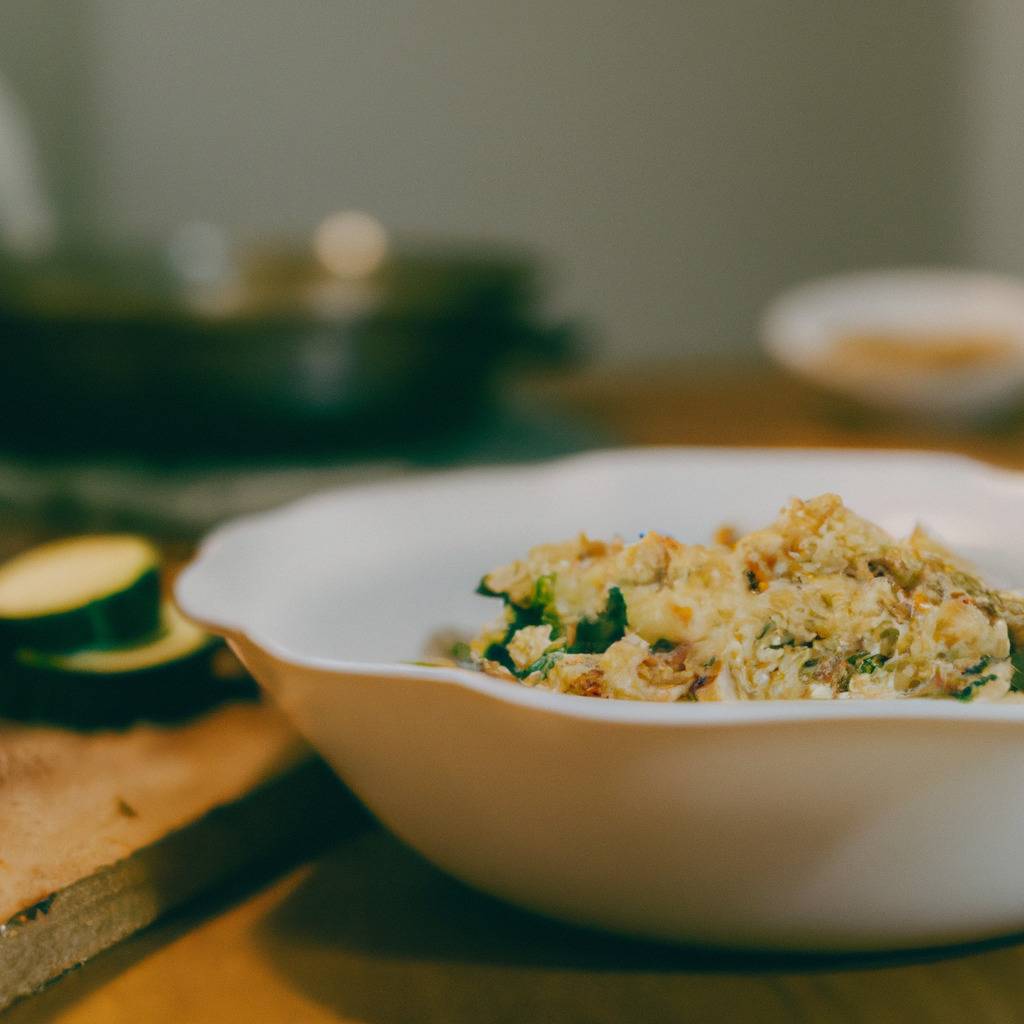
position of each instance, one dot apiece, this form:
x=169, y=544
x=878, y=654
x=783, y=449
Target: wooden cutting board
x=102, y=833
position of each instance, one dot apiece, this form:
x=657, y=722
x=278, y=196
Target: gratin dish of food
x=838, y=823
x=820, y=604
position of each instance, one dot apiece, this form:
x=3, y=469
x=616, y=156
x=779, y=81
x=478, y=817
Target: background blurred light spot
x=351, y=244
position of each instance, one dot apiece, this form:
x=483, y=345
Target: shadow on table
x=373, y=916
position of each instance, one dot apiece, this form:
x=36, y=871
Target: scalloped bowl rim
x=679, y=714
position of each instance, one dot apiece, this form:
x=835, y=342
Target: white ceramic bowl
x=786, y=825
x=802, y=326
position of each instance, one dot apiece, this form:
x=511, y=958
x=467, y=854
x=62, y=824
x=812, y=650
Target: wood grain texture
x=102, y=832
x=72, y=803
x=281, y=820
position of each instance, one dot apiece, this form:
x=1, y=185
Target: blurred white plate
x=956, y=338
x=788, y=825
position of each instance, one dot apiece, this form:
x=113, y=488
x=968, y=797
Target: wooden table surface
x=371, y=934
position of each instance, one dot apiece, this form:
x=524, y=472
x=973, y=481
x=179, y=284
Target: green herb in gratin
x=821, y=604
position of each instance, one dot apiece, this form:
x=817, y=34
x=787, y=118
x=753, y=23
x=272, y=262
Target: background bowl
x=783, y=825
x=940, y=344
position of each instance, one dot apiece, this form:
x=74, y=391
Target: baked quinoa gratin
x=820, y=604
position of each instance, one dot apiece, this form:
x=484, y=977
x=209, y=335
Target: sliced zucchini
x=168, y=677
x=93, y=591
x=177, y=640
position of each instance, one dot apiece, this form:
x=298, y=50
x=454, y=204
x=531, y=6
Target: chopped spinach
x=1017, y=660
x=499, y=653
x=659, y=646
x=752, y=581
x=540, y=611
x=594, y=636
x=976, y=670
x=865, y=663
x=810, y=662
x=484, y=590
x=768, y=627
x=522, y=616
x=972, y=687
x=544, y=599
x=543, y=664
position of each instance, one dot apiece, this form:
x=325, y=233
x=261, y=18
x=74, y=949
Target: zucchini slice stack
x=90, y=644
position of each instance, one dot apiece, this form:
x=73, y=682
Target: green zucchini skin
x=172, y=692
x=110, y=621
